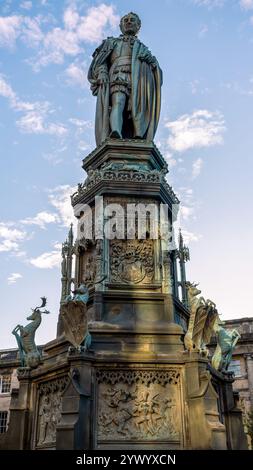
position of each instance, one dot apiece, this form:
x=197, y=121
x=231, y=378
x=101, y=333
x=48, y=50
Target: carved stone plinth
x=135, y=386
x=137, y=288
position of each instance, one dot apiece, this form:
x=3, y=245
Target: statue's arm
x=99, y=71
x=146, y=56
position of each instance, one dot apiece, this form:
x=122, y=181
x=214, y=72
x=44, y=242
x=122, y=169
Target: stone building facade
x=8, y=381
x=242, y=365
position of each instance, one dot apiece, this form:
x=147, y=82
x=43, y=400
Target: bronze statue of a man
x=127, y=81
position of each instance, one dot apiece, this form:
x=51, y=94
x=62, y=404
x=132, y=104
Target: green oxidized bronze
x=25, y=336
x=226, y=342
x=127, y=80
x=203, y=314
x=204, y=323
x=75, y=318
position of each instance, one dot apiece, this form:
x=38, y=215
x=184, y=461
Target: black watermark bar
x=117, y=458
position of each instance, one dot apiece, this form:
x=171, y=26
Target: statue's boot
x=115, y=135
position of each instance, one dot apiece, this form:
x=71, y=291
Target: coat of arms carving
x=132, y=261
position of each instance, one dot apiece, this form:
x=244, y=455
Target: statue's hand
x=148, y=58
x=102, y=80
x=102, y=75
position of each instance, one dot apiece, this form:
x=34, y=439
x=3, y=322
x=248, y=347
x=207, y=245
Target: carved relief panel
x=90, y=264
x=139, y=406
x=49, y=411
x=132, y=261
x=134, y=257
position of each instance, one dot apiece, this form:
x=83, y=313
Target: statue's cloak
x=146, y=82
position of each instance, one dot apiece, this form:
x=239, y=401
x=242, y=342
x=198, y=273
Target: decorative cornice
x=141, y=177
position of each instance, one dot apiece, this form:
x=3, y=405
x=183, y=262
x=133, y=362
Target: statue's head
x=130, y=24
x=36, y=312
x=82, y=289
x=192, y=288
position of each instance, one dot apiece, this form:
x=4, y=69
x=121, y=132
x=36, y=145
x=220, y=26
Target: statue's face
x=129, y=24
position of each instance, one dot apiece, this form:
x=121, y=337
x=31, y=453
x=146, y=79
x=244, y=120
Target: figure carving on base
x=25, y=336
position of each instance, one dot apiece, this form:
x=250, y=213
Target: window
x=3, y=421
x=235, y=366
x=5, y=384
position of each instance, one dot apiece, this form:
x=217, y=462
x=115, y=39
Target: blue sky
x=205, y=48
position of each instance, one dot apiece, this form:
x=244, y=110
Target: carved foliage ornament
x=144, y=377
x=123, y=174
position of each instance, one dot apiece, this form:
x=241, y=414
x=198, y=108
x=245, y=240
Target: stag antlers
x=44, y=302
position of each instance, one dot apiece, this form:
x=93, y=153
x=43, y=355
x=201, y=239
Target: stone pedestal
x=135, y=387
x=137, y=288
x=140, y=400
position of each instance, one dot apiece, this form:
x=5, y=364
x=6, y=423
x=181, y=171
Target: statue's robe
x=146, y=82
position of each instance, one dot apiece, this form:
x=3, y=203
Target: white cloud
x=10, y=237
x=197, y=87
x=23, y=27
x=186, y=194
x=76, y=74
x=202, y=128
x=209, y=3
x=55, y=156
x=170, y=160
x=41, y=219
x=81, y=123
x=196, y=167
x=185, y=212
x=190, y=236
x=34, y=120
x=12, y=279
x=59, y=42
x=59, y=197
x=68, y=41
x=91, y=27
x=194, y=86
x=9, y=30
x=83, y=146
x=246, y=4
x=6, y=91
x=26, y=5
x=71, y=17
x=31, y=32
x=48, y=260
x=203, y=31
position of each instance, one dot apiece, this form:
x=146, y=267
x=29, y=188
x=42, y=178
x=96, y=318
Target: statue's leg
x=116, y=116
